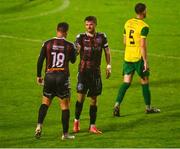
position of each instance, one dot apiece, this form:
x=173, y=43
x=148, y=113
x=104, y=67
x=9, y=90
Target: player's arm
x=107, y=56
x=108, y=61
x=124, y=37
x=73, y=54
x=40, y=65
x=78, y=44
x=143, y=44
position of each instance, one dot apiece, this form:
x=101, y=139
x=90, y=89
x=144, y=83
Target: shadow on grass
x=153, y=83
x=169, y=113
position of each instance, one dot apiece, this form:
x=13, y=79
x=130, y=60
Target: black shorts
x=89, y=82
x=56, y=84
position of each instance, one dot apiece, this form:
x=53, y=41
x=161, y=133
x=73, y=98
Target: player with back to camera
x=57, y=52
x=135, y=58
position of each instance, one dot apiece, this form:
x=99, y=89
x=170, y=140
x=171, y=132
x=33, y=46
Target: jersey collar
x=91, y=35
x=59, y=37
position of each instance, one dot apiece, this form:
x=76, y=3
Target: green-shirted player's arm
x=144, y=33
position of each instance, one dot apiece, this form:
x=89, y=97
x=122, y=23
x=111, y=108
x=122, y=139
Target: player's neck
x=61, y=35
x=141, y=17
x=91, y=34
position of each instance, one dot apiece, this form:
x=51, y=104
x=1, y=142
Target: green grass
x=21, y=97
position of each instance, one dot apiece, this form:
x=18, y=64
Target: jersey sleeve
x=41, y=60
x=105, y=41
x=78, y=40
x=144, y=32
x=73, y=54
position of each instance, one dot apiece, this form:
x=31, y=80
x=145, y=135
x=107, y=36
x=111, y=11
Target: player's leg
x=147, y=96
x=48, y=94
x=95, y=89
x=122, y=90
x=93, y=114
x=144, y=78
x=79, y=105
x=63, y=94
x=81, y=91
x=78, y=110
x=64, y=104
x=128, y=72
x=146, y=92
x=41, y=115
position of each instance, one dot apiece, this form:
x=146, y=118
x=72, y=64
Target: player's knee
x=144, y=80
x=81, y=97
x=128, y=78
x=64, y=104
x=93, y=101
x=46, y=101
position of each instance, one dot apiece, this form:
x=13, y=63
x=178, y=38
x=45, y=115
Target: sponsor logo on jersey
x=56, y=47
x=87, y=48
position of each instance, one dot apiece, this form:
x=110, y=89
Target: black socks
x=42, y=113
x=78, y=109
x=92, y=113
x=65, y=120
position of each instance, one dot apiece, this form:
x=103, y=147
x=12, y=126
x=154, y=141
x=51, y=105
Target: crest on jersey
x=99, y=40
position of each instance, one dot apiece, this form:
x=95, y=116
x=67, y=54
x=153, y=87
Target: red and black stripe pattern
x=58, y=52
x=91, y=51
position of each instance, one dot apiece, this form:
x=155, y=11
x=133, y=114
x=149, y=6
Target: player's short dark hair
x=63, y=27
x=91, y=18
x=140, y=8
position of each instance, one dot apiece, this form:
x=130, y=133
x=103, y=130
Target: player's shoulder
x=129, y=21
x=47, y=41
x=144, y=24
x=102, y=34
x=69, y=43
x=80, y=35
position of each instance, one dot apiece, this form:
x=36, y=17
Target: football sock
x=78, y=109
x=65, y=120
x=146, y=94
x=92, y=113
x=148, y=107
x=42, y=113
x=121, y=93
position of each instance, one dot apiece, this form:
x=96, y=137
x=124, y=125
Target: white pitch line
x=61, y=8
x=20, y=38
x=153, y=54
x=113, y=50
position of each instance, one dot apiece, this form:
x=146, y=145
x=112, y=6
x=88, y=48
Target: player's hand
x=146, y=67
x=78, y=46
x=108, y=71
x=40, y=81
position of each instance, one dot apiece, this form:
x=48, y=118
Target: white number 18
x=58, y=59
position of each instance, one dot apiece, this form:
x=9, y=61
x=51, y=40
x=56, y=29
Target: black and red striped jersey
x=57, y=52
x=91, y=50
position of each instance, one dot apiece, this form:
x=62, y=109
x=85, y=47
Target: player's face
x=90, y=26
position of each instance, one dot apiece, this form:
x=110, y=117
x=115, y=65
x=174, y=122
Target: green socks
x=121, y=93
x=146, y=94
x=125, y=86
